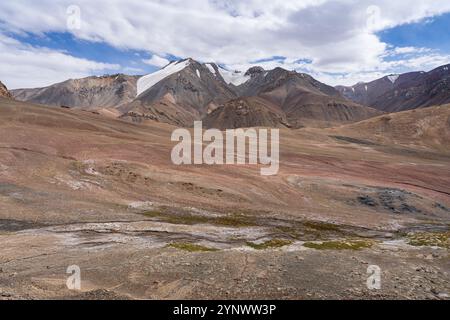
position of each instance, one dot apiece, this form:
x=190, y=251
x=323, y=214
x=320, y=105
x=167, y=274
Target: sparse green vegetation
x=311, y=230
x=152, y=214
x=429, y=239
x=234, y=220
x=354, y=140
x=339, y=245
x=273, y=243
x=191, y=247
x=321, y=226
x=78, y=165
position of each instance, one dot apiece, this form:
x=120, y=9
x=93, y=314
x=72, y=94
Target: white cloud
x=156, y=61
x=24, y=66
x=338, y=36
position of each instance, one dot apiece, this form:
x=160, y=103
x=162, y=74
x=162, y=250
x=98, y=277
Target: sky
x=336, y=41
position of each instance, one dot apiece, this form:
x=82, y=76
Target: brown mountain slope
x=305, y=101
x=245, y=113
x=89, y=93
x=4, y=91
x=424, y=127
x=403, y=92
x=164, y=110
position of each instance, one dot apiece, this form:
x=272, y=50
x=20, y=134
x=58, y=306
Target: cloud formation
x=337, y=37
x=25, y=66
x=156, y=61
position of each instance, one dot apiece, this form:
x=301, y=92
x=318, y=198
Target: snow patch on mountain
x=233, y=77
x=393, y=77
x=198, y=73
x=211, y=68
x=148, y=81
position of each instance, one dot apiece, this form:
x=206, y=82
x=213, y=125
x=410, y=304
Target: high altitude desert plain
x=87, y=181
x=78, y=188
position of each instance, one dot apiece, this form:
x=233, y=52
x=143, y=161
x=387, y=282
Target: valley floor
x=102, y=194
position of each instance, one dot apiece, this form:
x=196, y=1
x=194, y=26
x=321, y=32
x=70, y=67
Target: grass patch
x=339, y=245
x=311, y=231
x=78, y=165
x=152, y=214
x=234, y=220
x=191, y=247
x=274, y=243
x=428, y=239
x=321, y=226
x=355, y=141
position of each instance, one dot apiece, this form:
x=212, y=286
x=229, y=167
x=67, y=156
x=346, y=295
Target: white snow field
x=148, y=81
x=393, y=77
x=235, y=77
x=231, y=77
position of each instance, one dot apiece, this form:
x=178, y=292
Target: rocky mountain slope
x=4, y=91
x=403, y=92
x=179, y=93
x=186, y=90
x=425, y=126
x=89, y=93
x=246, y=112
x=304, y=100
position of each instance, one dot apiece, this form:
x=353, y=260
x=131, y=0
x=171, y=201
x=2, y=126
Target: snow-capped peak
x=393, y=77
x=146, y=82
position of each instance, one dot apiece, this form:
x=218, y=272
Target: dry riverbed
x=174, y=254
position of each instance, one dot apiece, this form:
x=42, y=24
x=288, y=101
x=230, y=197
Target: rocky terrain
x=403, y=92
x=88, y=93
x=79, y=188
x=246, y=113
x=4, y=91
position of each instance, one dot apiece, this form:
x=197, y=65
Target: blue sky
x=129, y=60
x=431, y=33
x=336, y=41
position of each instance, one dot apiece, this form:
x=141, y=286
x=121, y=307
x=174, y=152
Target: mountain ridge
x=194, y=90
x=109, y=91
x=402, y=92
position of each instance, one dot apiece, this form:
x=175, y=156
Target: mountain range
x=186, y=90
x=406, y=91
